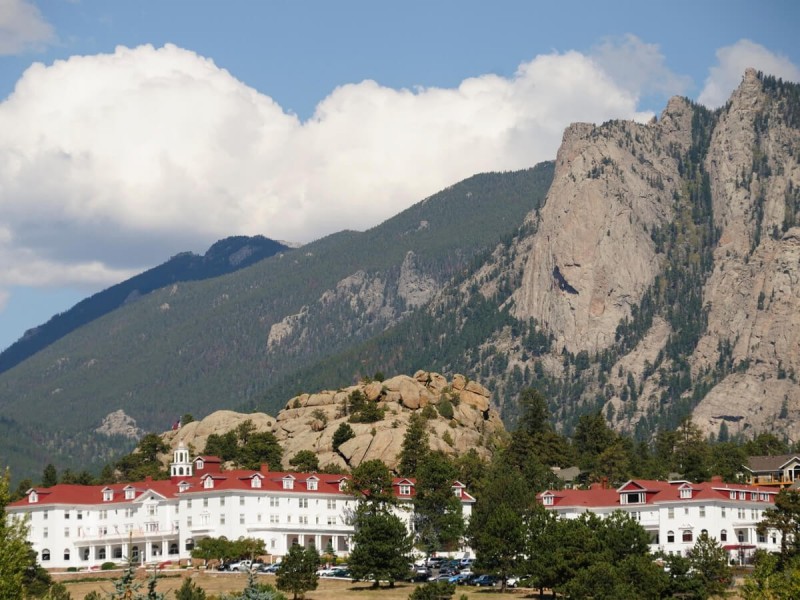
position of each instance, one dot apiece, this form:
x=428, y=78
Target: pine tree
x=298, y=571
x=14, y=559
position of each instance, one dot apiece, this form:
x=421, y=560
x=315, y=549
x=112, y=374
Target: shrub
x=107, y=566
x=435, y=590
x=429, y=412
x=341, y=435
x=445, y=409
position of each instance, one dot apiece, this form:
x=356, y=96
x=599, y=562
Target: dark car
x=420, y=574
x=486, y=581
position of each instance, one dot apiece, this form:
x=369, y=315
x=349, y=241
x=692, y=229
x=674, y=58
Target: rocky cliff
x=667, y=254
x=309, y=421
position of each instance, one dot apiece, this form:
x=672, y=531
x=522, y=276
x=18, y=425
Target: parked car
x=434, y=562
x=486, y=581
x=270, y=569
x=420, y=574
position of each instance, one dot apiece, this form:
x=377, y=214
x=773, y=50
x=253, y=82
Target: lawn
x=329, y=589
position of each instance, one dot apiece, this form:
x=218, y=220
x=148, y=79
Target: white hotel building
x=157, y=521
x=675, y=513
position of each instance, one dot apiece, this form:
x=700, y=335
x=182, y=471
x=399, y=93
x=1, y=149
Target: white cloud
x=22, y=28
x=4, y=295
x=733, y=61
x=113, y=162
x=639, y=67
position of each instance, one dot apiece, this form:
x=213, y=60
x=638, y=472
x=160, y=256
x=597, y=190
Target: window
x=102, y=515
x=634, y=498
x=189, y=503
x=732, y=495
x=208, y=482
x=128, y=513
x=45, y=555
x=724, y=512
x=686, y=510
x=547, y=500
x=44, y=533
x=405, y=490
x=222, y=501
x=79, y=515
x=311, y=484
x=762, y=539
x=66, y=554
x=302, y=502
x=671, y=512
x=274, y=502
x=723, y=535
x=686, y=492
x=66, y=532
x=241, y=518
x=702, y=511
x=288, y=483
x=331, y=504
x=741, y=513
x=753, y=496
x=272, y=543
x=273, y=519
x=151, y=510
x=740, y=536
x=66, y=514
x=222, y=519
x=108, y=495
x=331, y=520
x=205, y=500
x=189, y=521
x=44, y=515
x=241, y=500
x=687, y=535
x=129, y=493
x=258, y=517
x=173, y=548
x=670, y=537
x=342, y=485
x=303, y=520
x=101, y=553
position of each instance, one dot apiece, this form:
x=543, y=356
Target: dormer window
x=183, y=486
x=633, y=498
x=199, y=464
x=686, y=492
x=457, y=491
x=732, y=495
x=33, y=497
x=108, y=495
x=288, y=483
x=342, y=485
x=208, y=482
x=311, y=484
x=130, y=493
x=405, y=489
x=255, y=482
x=547, y=499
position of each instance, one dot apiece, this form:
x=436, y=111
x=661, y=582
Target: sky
x=131, y=131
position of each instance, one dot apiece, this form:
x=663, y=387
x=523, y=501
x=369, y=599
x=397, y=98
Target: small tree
x=710, y=563
x=343, y=433
x=305, y=461
x=298, y=571
x=14, y=557
x=189, y=591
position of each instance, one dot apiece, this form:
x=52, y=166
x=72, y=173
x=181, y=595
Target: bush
x=108, y=566
x=436, y=590
x=341, y=435
x=445, y=409
x=72, y=569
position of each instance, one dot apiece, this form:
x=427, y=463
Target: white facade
x=676, y=513
x=157, y=521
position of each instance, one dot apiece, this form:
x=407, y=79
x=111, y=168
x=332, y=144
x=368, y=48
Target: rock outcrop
x=458, y=414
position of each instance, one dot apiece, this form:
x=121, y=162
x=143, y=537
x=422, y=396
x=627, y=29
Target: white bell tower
x=181, y=466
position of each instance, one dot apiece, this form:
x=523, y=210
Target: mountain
x=195, y=347
x=652, y=272
x=225, y=256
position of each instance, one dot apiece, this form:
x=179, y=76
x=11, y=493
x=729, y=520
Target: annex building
x=155, y=521
x=676, y=513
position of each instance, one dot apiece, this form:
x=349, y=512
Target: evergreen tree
x=438, y=518
x=343, y=433
x=382, y=546
x=415, y=445
x=298, y=571
x=189, y=591
x=305, y=461
x=49, y=476
x=710, y=563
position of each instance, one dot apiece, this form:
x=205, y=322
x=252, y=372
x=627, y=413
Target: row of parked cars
x=455, y=571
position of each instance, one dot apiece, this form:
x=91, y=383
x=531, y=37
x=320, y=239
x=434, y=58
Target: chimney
x=716, y=479
x=264, y=468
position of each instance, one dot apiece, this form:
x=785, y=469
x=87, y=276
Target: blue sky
x=136, y=130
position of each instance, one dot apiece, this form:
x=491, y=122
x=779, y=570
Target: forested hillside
x=221, y=343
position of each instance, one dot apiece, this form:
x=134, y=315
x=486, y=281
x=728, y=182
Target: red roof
x=237, y=479
x=655, y=492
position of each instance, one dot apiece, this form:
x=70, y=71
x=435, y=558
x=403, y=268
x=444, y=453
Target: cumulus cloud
x=114, y=162
x=22, y=28
x=732, y=63
x=638, y=67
